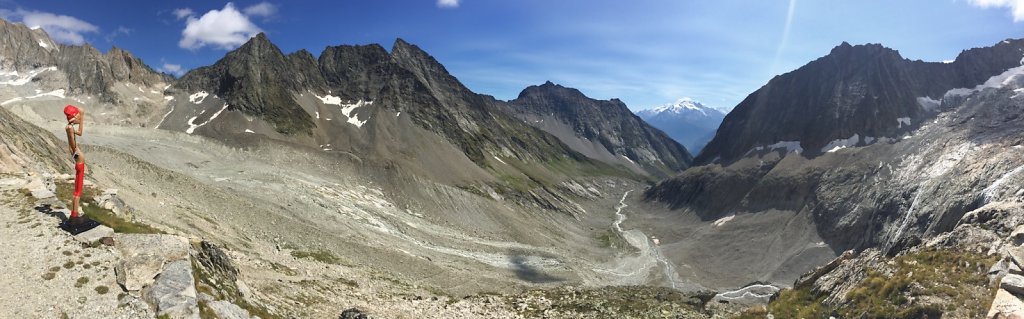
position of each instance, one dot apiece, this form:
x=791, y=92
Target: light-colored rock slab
x=1017, y=236
x=95, y=234
x=144, y=255
x=227, y=310
x=1006, y=306
x=1013, y=283
x=1016, y=255
x=174, y=292
x=42, y=193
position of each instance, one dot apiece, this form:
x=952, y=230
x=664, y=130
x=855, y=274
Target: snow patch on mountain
x=56, y=93
x=841, y=144
x=999, y=81
x=198, y=97
x=14, y=78
x=347, y=109
x=788, y=146
x=191, y=122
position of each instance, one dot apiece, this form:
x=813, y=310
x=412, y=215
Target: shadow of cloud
x=526, y=272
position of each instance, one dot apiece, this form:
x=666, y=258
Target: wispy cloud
x=121, y=30
x=1016, y=6
x=62, y=28
x=448, y=3
x=262, y=9
x=224, y=29
x=183, y=13
x=171, y=68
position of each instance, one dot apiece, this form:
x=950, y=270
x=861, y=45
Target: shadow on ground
x=525, y=271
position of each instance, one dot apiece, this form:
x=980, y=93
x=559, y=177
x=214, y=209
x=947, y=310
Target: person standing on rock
x=76, y=117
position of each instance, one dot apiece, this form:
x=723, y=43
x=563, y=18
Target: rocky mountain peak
x=551, y=90
x=256, y=78
x=856, y=90
x=558, y=109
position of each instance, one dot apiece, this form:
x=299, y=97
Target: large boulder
x=144, y=255
x=214, y=259
x=1013, y=283
x=174, y=292
x=227, y=310
x=1005, y=305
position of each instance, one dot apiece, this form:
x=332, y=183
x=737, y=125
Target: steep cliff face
x=256, y=79
x=603, y=130
x=863, y=90
x=911, y=171
x=85, y=70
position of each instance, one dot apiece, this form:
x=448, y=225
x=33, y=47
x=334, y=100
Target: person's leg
x=79, y=180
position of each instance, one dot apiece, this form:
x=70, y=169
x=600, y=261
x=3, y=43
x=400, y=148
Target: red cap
x=70, y=111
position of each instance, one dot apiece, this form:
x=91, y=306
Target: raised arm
x=81, y=121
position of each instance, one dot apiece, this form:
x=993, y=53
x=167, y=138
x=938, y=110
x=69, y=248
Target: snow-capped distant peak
x=683, y=105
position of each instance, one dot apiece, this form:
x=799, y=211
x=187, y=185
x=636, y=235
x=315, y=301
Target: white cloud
x=183, y=13
x=225, y=29
x=121, y=30
x=171, y=69
x=62, y=28
x=448, y=3
x=262, y=9
x=1016, y=6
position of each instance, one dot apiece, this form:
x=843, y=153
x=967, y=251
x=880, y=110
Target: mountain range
x=858, y=160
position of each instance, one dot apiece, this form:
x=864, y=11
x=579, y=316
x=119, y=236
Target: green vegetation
x=103, y=290
x=223, y=289
x=953, y=282
x=319, y=255
x=103, y=216
x=81, y=282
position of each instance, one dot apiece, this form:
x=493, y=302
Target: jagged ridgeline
x=82, y=68
x=365, y=100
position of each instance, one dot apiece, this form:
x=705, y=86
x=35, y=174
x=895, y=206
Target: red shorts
x=79, y=178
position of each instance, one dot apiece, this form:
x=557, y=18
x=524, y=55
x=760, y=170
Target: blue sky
x=645, y=52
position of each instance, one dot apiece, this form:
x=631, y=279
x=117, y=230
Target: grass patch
x=81, y=282
x=103, y=290
x=65, y=192
x=49, y=275
x=956, y=277
x=319, y=255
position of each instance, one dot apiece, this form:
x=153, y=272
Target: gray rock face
x=26, y=147
x=609, y=123
x=1013, y=283
x=213, y=258
x=144, y=255
x=20, y=49
x=859, y=89
x=174, y=292
x=889, y=193
x=94, y=235
x=353, y=313
x=86, y=70
x=256, y=79
x=227, y=310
